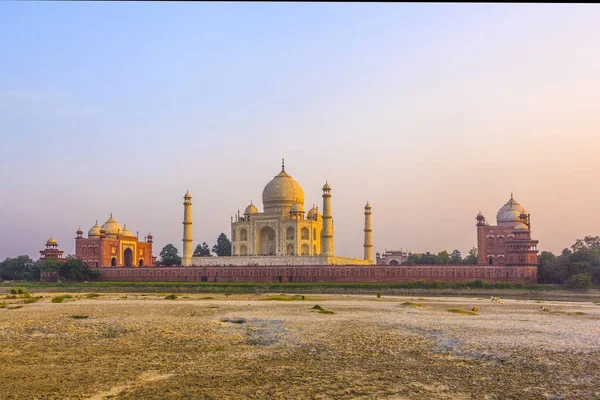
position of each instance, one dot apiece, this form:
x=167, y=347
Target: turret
x=186, y=259
x=368, y=246
x=480, y=239
x=327, y=232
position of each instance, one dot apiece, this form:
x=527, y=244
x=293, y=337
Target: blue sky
x=429, y=111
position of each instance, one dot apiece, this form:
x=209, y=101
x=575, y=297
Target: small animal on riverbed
x=475, y=309
x=544, y=309
x=495, y=299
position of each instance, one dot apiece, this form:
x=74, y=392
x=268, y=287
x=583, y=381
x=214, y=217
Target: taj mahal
x=283, y=234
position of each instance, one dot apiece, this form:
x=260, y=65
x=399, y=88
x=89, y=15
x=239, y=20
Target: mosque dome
x=281, y=193
x=52, y=242
x=251, y=209
x=125, y=231
x=94, y=230
x=510, y=213
x=521, y=227
x=312, y=213
x=111, y=227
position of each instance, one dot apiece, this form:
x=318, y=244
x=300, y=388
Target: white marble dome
x=521, y=227
x=510, y=213
x=251, y=209
x=111, y=227
x=281, y=193
x=94, y=231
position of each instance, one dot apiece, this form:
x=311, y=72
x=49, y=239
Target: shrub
x=321, y=310
x=13, y=291
x=580, y=282
x=20, y=291
x=171, y=297
x=58, y=299
x=30, y=300
x=378, y=295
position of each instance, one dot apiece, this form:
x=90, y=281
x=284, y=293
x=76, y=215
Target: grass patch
x=14, y=307
x=410, y=304
x=206, y=298
x=284, y=297
x=171, y=297
x=30, y=300
x=596, y=303
x=81, y=316
x=92, y=295
x=321, y=310
x=459, y=311
x=234, y=320
x=61, y=299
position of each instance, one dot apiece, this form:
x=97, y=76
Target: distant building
x=110, y=245
x=51, y=251
x=509, y=242
x=392, y=257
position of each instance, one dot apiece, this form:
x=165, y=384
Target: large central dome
x=281, y=193
x=510, y=213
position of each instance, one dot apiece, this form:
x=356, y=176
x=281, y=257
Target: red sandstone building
x=51, y=251
x=110, y=245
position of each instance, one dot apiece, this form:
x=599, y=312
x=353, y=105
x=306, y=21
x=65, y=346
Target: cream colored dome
x=111, y=227
x=510, y=213
x=251, y=209
x=521, y=227
x=94, y=230
x=125, y=231
x=312, y=212
x=281, y=193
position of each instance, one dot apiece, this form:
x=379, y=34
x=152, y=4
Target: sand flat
x=134, y=346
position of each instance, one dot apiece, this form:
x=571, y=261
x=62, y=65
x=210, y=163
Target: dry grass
x=459, y=311
x=147, y=347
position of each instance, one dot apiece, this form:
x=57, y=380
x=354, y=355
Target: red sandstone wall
x=523, y=274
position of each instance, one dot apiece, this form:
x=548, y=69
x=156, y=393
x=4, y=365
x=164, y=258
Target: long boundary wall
x=348, y=273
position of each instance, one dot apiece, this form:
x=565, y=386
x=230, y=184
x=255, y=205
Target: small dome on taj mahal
x=126, y=231
x=251, y=209
x=521, y=227
x=312, y=212
x=297, y=208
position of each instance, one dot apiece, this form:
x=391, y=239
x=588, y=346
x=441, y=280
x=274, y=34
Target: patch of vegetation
x=378, y=295
x=61, y=299
x=410, y=304
x=81, y=316
x=234, y=320
x=14, y=307
x=30, y=300
x=321, y=310
x=171, y=297
x=206, y=298
x=459, y=311
x=284, y=297
x=12, y=297
x=13, y=291
x=92, y=295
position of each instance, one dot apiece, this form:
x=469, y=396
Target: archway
x=290, y=249
x=290, y=233
x=113, y=262
x=491, y=261
x=128, y=258
x=304, y=249
x=141, y=263
x=243, y=235
x=394, y=262
x=266, y=241
x=244, y=250
x=304, y=233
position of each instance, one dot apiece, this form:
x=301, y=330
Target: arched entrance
x=128, y=258
x=141, y=263
x=266, y=241
x=113, y=262
x=394, y=262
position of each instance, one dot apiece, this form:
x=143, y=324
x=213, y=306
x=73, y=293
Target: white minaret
x=368, y=234
x=327, y=232
x=186, y=259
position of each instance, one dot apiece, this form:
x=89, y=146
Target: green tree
x=202, y=250
x=223, y=246
x=456, y=257
x=442, y=258
x=471, y=258
x=169, y=255
x=587, y=243
x=76, y=270
x=19, y=268
x=580, y=282
x=546, y=267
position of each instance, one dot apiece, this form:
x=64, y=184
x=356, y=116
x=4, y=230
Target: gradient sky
x=429, y=111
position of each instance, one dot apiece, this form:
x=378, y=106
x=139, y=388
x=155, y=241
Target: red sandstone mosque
x=111, y=245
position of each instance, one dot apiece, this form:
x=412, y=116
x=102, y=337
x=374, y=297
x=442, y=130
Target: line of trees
x=23, y=268
x=169, y=254
x=577, y=267
x=442, y=258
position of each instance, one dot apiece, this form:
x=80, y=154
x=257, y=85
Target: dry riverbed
x=212, y=346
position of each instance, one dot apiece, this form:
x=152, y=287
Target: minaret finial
x=282, y=164
x=511, y=195
x=111, y=214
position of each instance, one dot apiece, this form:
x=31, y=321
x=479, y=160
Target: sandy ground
x=201, y=346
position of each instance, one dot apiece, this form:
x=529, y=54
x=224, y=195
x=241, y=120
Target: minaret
x=327, y=232
x=186, y=259
x=481, y=233
x=368, y=234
